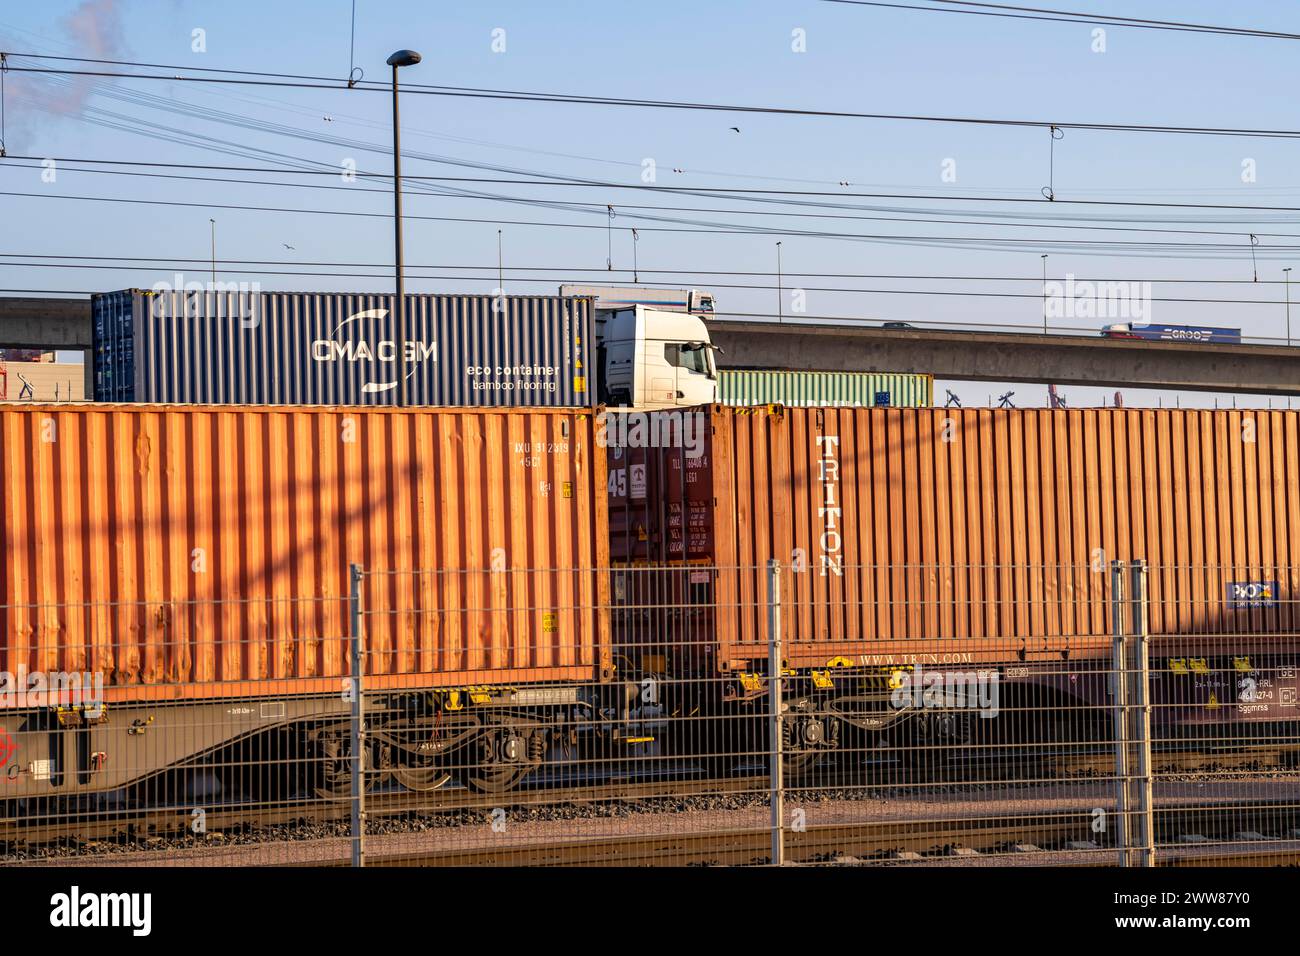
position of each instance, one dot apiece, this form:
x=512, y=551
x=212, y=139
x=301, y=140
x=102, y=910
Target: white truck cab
x=653, y=345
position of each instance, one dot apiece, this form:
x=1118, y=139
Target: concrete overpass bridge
x=64, y=323
x=1012, y=357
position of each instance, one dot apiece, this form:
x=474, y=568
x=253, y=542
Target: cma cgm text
x=327, y=350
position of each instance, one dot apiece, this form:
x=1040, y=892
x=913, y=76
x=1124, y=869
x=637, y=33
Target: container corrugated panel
x=824, y=389
x=339, y=349
x=947, y=530
x=201, y=551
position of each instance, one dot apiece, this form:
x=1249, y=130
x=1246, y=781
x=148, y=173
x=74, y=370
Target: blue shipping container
x=303, y=348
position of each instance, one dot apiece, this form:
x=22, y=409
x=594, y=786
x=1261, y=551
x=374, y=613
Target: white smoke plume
x=94, y=30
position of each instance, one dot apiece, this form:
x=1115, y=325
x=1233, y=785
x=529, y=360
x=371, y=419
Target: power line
x=229, y=269
x=670, y=272
x=220, y=145
x=175, y=105
x=1008, y=11
x=595, y=207
x=1000, y=243
x=709, y=192
x=104, y=90
x=589, y=100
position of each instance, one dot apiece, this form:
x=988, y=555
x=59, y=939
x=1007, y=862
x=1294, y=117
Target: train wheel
x=497, y=779
x=421, y=779
x=804, y=736
x=506, y=757
x=798, y=767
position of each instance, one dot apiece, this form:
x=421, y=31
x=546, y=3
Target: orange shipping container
x=191, y=550
x=910, y=531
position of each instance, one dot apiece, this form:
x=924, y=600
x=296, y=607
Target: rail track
x=1008, y=768
x=1188, y=835
x=131, y=832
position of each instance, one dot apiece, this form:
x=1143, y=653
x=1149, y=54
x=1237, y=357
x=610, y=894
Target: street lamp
x=399, y=59
x=1287, y=271
x=214, y=254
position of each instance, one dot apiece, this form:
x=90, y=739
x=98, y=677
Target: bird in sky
x=286, y=245
x=735, y=129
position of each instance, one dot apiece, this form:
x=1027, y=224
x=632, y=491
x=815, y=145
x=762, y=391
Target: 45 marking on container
x=620, y=479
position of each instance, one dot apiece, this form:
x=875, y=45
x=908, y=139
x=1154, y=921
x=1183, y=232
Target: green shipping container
x=824, y=389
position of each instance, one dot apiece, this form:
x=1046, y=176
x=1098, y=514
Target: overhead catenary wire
x=281, y=105
x=722, y=194
x=788, y=273
x=765, y=197
x=169, y=133
x=725, y=193
x=230, y=268
x=931, y=220
x=1008, y=11
x=591, y=100
x=778, y=193
x=1081, y=246
x=708, y=192
x=925, y=216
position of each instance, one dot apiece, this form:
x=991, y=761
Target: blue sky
x=857, y=59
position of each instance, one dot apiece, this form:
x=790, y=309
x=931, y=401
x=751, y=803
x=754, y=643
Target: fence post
x=1119, y=708
x=776, y=760
x=358, y=724
x=1143, y=782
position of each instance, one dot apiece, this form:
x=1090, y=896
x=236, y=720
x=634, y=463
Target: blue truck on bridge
x=1172, y=333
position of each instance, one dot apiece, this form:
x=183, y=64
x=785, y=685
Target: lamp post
x=1287, y=272
x=214, y=254
x=399, y=59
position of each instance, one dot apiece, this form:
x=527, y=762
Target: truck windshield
x=693, y=358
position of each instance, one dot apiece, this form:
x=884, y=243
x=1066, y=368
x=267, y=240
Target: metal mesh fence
x=667, y=715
